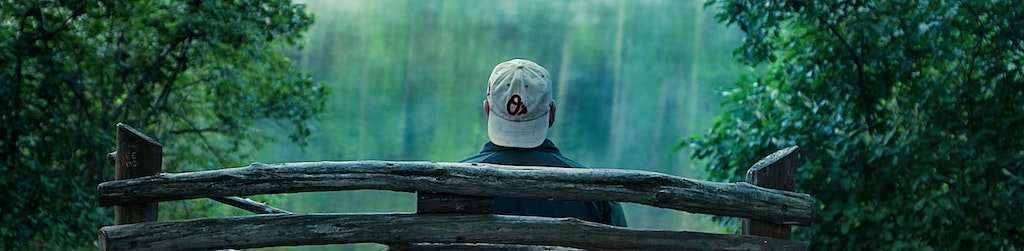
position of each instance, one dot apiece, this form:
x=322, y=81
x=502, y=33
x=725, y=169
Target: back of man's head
x=519, y=105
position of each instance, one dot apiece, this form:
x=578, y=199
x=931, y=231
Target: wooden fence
x=453, y=205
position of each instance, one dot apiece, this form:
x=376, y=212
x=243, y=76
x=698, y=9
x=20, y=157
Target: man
x=519, y=111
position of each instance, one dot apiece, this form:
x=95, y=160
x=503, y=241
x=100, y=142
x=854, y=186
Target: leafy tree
x=909, y=113
x=198, y=75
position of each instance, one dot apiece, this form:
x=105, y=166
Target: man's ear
x=551, y=115
x=487, y=108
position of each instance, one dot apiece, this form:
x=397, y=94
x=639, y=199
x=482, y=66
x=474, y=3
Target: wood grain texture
x=473, y=179
x=440, y=203
x=253, y=206
x=137, y=155
x=475, y=247
x=776, y=171
x=321, y=229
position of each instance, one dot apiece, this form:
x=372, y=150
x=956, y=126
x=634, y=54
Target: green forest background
x=407, y=80
x=909, y=113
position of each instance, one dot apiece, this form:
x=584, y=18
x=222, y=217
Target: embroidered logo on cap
x=515, y=105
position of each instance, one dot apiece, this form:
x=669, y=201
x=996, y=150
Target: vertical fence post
x=442, y=203
x=437, y=203
x=137, y=155
x=776, y=171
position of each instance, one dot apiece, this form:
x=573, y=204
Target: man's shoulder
x=523, y=158
x=480, y=157
x=567, y=161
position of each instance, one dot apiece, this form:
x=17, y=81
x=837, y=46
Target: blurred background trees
x=408, y=78
x=910, y=115
x=196, y=75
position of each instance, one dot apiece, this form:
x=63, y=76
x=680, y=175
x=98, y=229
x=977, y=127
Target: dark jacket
x=545, y=155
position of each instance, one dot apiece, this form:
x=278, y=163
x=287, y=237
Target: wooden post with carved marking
x=137, y=155
x=776, y=171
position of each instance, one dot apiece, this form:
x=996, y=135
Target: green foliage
x=909, y=114
x=196, y=75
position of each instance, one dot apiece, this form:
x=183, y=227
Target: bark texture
x=396, y=229
x=253, y=206
x=475, y=247
x=473, y=179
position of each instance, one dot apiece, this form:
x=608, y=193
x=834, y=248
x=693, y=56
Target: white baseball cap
x=519, y=95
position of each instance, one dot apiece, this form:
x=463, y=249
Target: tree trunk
x=693, y=106
x=618, y=100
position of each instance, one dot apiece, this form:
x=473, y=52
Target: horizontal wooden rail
x=475, y=247
x=321, y=229
x=238, y=202
x=655, y=189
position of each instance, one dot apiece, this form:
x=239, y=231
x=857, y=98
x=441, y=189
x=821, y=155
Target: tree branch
x=863, y=97
x=155, y=67
x=181, y=65
x=202, y=137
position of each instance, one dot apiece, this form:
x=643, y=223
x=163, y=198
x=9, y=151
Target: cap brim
x=526, y=134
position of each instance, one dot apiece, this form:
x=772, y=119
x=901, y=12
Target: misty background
x=406, y=81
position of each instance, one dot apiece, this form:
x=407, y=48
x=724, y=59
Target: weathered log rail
x=655, y=189
x=318, y=229
x=453, y=201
